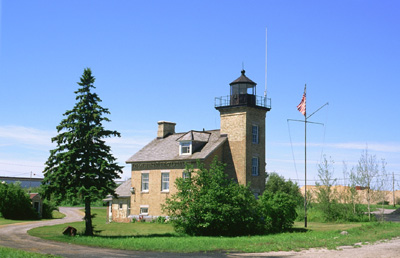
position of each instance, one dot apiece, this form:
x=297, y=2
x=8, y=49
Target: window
x=254, y=131
x=254, y=166
x=185, y=175
x=120, y=205
x=185, y=148
x=165, y=182
x=144, y=210
x=256, y=195
x=145, y=182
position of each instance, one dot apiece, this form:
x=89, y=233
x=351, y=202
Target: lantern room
x=243, y=91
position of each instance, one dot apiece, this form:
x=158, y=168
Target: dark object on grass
x=69, y=231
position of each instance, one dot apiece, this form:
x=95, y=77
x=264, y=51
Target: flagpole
x=302, y=108
x=305, y=161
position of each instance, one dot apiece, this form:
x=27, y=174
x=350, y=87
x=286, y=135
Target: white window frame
x=185, y=145
x=255, y=134
x=144, y=189
x=255, y=166
x=165, y=183
x=143, y=207
x=120, y=205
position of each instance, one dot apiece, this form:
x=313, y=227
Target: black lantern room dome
x=242, y=93
x=243, y=79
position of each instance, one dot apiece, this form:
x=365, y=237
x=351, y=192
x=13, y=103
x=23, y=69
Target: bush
x=340, y=212
x=383, y=203
x=278, y=211
x=15, y=203
x=313, y=214
x=208, y=203
x=160, y=220
x=276, y=184
x=48, y=208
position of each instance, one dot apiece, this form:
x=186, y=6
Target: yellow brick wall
x=154, y=197
x=237, y=123
x=233, y=123
x=256, y=116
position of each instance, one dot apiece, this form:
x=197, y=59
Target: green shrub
x=340, y=212
x=15, y=203
x=276, y=183
x=383, y=203
x=208, y=203
x=48, y=208
x=313, y=214
x=278, y=211
x=160, y=220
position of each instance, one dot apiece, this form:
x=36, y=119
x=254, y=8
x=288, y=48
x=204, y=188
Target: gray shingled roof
x=167, y=149
x=124, y=189
x=195, y=136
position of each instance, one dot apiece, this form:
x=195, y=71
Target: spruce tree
x=82, y=166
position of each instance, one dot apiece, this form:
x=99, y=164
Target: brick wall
x=237, y=122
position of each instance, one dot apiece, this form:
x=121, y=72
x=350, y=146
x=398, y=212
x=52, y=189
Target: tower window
x=254, y=131
x=185, y=148
x=254, y=166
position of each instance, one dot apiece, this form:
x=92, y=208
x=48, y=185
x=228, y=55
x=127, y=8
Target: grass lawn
x=57, y=215
x=3, y=221
x=162, y=237
x=374, y=207
x=6, y=252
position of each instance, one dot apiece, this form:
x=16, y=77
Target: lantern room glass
x=242, y=89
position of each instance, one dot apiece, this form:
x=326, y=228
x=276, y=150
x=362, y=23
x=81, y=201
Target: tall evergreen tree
x=82, y=166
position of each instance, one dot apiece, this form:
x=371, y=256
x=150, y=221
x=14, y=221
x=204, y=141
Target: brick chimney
x=165, y=128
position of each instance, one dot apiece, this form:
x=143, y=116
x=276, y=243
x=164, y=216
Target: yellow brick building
x=240, y=143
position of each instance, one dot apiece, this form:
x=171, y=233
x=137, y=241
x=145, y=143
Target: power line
x=13, y=164
x=291, y=145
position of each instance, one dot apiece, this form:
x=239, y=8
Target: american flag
x=302, y=106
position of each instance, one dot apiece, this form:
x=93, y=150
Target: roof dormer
x=192, y=141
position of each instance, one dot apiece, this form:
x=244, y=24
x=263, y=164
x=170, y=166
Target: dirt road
x=15, y=236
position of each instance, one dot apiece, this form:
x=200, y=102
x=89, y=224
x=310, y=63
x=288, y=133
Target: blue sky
x=168, y=60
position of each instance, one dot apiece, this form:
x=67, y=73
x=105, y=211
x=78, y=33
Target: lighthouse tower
x=243, y=121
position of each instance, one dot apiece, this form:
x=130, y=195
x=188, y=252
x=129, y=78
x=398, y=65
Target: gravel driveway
x=16, y=236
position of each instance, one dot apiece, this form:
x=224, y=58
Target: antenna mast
x=266, y=45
